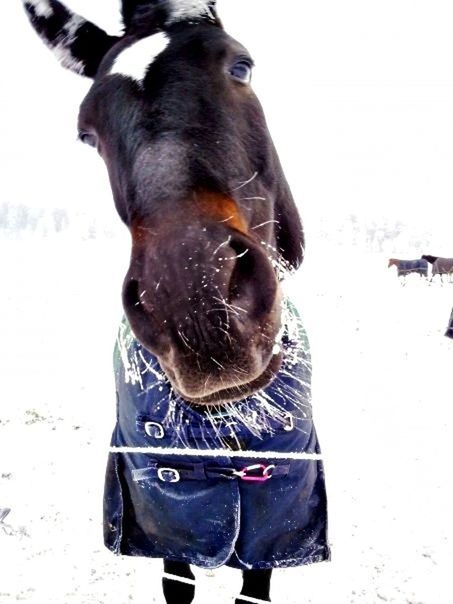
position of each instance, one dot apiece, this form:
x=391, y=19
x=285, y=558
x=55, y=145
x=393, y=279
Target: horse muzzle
x=206, y=302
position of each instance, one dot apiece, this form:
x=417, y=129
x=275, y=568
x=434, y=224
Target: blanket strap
x=200, y=471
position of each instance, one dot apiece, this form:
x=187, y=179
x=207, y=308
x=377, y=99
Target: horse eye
x=88, y=138
x=242, y=71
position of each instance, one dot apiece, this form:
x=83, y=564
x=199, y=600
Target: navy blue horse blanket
x=406, y=267
x=262, y=512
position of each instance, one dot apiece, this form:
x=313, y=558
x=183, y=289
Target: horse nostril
x=142, y=318
x=134, y=297
x=242, y=272
x=253, y=285
x=131, y=297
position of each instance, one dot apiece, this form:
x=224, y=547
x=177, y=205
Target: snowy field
x=382, y=403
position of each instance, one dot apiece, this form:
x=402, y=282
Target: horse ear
x=142, y=17
x=192, y=10
x=78, y=44
x=289, y=230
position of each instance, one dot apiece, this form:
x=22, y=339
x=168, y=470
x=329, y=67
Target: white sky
x=358, y=94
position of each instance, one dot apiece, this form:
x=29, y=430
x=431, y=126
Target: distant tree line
x=20, y=220
x=383, y=236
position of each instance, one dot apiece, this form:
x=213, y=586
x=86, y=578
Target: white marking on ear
x=185, y=10
x=64, y=56
x=135, y=59
x=72, y=27
x=42, y=7
x=62, y=50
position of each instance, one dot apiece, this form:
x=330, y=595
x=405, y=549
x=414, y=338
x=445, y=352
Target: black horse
x=441, y=266
x=197, y=180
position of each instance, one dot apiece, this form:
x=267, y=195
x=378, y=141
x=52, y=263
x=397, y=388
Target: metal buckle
x=290, y=426
x=168, y=475
x=155, y=434
x=243, y=474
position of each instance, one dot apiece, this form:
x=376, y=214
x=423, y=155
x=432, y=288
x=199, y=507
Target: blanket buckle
x=263, y=477
x=154, y=430
x=168, y=475
x=289, y=418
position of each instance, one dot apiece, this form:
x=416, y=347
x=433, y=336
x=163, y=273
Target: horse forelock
x=149, y=17
x=185, y=10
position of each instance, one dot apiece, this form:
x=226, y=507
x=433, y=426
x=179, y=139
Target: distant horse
x=441, y=266
x=214, y=227
x=407, y=267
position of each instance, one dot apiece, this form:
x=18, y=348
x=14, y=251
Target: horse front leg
x=256, y=584
x=178, y=592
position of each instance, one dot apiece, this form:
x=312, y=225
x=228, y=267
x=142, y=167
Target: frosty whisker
x=243, y=184
x=227, y=242
x=252, y=198
x=217, y=363
x=237, y=256
x=264, y=223
x=186, y=343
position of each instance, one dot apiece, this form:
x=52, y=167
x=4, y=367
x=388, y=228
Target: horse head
x=196, y=179
x=430, y=259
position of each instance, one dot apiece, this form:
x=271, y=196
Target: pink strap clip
x=265, y=473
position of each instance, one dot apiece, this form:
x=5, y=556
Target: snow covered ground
x=382, y=403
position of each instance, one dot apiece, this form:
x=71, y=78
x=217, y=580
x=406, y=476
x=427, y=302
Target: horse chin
x=234, y=394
